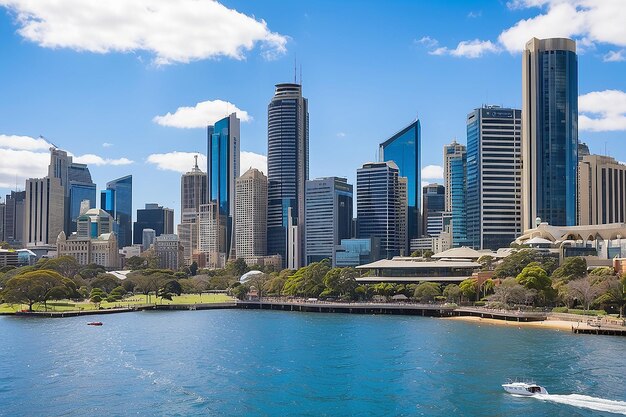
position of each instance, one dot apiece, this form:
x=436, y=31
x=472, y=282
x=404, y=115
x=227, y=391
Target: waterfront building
x=117, y=200
x=379, y=198
x=354, y=252
x=494, y=171
x=157, y=218
x=222, y=172
x=193, y=193
x=328, y=217
x=550, y=132
x=404, y=148
x=169, y=251
x=14, y=218
x=147, y=238
x=405, y=270
x=287, y=173
x=251, y=215
x=602, y=190
x=451, y=152
x=433, y=200
x=458, y=196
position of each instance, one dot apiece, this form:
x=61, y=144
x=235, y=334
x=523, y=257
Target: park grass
x=136, y=300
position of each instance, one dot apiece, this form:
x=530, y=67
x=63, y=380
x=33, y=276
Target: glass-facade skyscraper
x=550, y=132
x=494, y=164
x=458, y=197
x=158, y=218
x=404, y=148
x=288, y=171
x=117, y=200
x=81, y=188
x=222, y=173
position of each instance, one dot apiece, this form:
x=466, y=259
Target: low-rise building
x=406, y=270
x=101, y=250
x=169, y=251
x=8, y=257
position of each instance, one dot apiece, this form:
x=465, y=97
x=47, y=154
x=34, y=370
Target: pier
x=425, y=310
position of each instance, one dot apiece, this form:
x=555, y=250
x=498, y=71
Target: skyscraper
x=251, y=213
x=549, y=132
x=117, y=200
x=434, y=206
x=378, y=200
x=494, y=171
x=158, y=218
x=288, y=171
x=193, y=194
x=328, y=217
x=14, y=218
x=458, y=199
x=450, y=152
x=2, y=214
x=602, y=191
x=222, y=172
x=44, y=211
x=404, y=148
x=81, y=188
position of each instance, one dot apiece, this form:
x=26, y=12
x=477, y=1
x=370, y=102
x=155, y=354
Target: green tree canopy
x=469, y=288
x=169, y=289
x=64, y=265
x=572, y=268
x=308, y=281
x=106, y=282
x=427, y=291
x=614, y=293
x=452, y=292
x=33, y=287
x=512, y=265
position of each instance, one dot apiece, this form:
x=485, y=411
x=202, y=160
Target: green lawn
x=66, y=305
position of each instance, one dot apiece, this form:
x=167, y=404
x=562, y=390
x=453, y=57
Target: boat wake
x=585, y=401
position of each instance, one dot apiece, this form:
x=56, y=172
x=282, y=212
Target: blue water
x=235, y=362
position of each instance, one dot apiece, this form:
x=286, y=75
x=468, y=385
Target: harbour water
x=236, y=362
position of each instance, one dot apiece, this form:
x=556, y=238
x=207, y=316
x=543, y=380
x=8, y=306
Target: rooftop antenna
x=295, y=66
x=300, y=74
x=49, y=141
x=196, y=161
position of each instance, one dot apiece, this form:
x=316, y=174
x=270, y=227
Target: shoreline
x=558, y=325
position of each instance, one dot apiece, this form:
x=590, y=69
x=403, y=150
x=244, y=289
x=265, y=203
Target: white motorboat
x=526, y=388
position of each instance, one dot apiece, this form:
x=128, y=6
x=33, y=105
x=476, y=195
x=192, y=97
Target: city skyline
x=135, y=100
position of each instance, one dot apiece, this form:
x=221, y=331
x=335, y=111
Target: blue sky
x=92, y=78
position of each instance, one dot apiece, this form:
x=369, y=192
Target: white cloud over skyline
x=432, y=172
x=174, y=31
x=468, y=49
x=202, y=114
x=602, y=111
x=182, y=162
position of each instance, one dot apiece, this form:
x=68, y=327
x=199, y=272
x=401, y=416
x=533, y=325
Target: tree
x=240, y=291
x=572, y=268
x=487, y=262
x=96, y=296
x=32, y=287
x=604, y=271
x=67, y=266
x=169, y=289
x=512, y=265
x=237, y=268
x=469, y=288
x=427, y=291
x=585, y=290
x=4, y=245
x=193, y=268
x=136, y=262
x=259, y=281
x=511, y=292
x=106, y=282
x=452, y=292
x=534, y=277
x=91, y=271
x=614, y=292
x=277, y=282
x=340, y=282
x=308, y=281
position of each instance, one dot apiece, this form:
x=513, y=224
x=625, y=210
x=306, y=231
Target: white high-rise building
x=251, y=215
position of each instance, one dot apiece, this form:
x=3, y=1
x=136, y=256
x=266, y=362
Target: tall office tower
x=14, y=218
x=602, y=190
x=147, y=239
x=402, y=202
x=193, y=193
x=404, y=148
x=434, y=204
x=251, y=214
x=44, y=211
x=458, y=199
x=117, y=200
x=328, y=217
x=288, y=171
x=378, y=197
x=155, y=217
x=450, y=152
x=222, y=172
x=211, y=236
x=494, y=177
x=2, y=213
x=549, y=132
x=80, y=188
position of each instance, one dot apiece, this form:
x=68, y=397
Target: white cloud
x=432, y=172
x=202, y=114
x=174, y=31
x=474, y=15
x=589, y=22
x=18, y=165
x=615, y=56
x=92, y=159
x=177, y=161
x=107, y=145
x=427, y=41
x=602, y=111
x=182, y=162
x=252, y=160
x=468, y=49
x=23, y=142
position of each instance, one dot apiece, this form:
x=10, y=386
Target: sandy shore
x=547, y=324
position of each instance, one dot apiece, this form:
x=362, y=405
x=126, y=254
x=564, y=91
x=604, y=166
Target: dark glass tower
x=404, y=148
x=117, y=200
x=288, y=171
x=155, y=217
x=222, y=172
x=550, y=132
x=81, y=187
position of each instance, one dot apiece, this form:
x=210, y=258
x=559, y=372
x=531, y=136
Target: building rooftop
x=416, y=263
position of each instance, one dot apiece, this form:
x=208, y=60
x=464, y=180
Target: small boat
x=94, y=323
x=526, y=388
